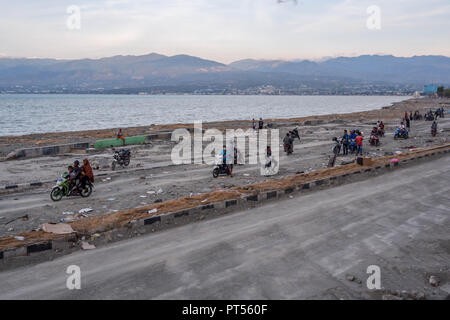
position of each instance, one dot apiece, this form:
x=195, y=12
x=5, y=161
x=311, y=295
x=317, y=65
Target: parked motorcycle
x=121, y=157
x=62, y=188
x=401, y=133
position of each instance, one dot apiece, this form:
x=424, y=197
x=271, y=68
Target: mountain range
x=172, y=72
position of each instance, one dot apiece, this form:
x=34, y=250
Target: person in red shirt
x=359, y=143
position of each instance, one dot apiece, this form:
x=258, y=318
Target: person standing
x=261, y=124
x=253, y=124
x=120, y=135
x=345, y=142
x=359, y=143
x=408, y=124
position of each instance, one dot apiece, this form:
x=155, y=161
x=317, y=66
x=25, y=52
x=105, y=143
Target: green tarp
x=100, y=144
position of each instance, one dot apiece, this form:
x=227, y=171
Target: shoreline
x=396, y=109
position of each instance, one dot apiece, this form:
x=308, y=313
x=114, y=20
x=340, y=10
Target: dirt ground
x=152, y=177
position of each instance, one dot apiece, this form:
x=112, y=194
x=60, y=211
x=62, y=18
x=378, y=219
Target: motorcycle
x=121, y=157
x=399, y=133
x=220, y=168
x=374, y=140
x=62, y=188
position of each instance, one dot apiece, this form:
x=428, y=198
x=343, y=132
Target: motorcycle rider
x=86, y=173
x=374, y=134
x=72, y=177
x=225, y=155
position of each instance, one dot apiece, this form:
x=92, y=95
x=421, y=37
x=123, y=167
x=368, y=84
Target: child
x=359, y=143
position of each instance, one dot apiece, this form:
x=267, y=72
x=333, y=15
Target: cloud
x=223, y=30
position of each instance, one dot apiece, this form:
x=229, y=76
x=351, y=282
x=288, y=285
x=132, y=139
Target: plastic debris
x=246, y=174
x=20, y=238
x=111, y=199
x=143, y=196
x=394, y=160
x=85, y=210
x=152, y=211
x=151, y=192
x=67, y=213
x=86, y=246
x=159, y=191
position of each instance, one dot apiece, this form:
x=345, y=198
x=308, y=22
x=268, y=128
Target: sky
x=224, y=30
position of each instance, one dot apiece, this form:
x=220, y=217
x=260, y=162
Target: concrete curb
x=47, y=250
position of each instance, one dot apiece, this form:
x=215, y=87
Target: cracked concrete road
x=299, y=248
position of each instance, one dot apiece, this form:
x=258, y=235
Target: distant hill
x=156, y=70
x=414, y=70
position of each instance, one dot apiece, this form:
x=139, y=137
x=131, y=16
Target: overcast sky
x=224, y=30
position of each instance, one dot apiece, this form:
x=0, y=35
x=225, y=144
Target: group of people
x=352, y=142
x=79, y=175
x=432, y=116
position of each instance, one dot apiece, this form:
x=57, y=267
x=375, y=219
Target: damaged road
x=309, y=247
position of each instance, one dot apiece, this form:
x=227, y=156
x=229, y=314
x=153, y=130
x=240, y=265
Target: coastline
x=395, y=110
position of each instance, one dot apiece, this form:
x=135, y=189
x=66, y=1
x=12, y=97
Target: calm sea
x=24, y=114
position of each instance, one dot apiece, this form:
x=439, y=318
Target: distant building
x=428, y=89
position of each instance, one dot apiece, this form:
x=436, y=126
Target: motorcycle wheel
x=56, y=194
x=215, y=172
x=113, y=165
x=86, y=192
x=126, y=162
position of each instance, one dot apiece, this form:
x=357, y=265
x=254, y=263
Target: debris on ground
x=152, y=211
x=434, y=281
x=85, y=210
x=57, y=228
x=86, y=246
x=20, y=238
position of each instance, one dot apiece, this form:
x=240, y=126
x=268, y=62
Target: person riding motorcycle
x=86, y=173
x=226, y=160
